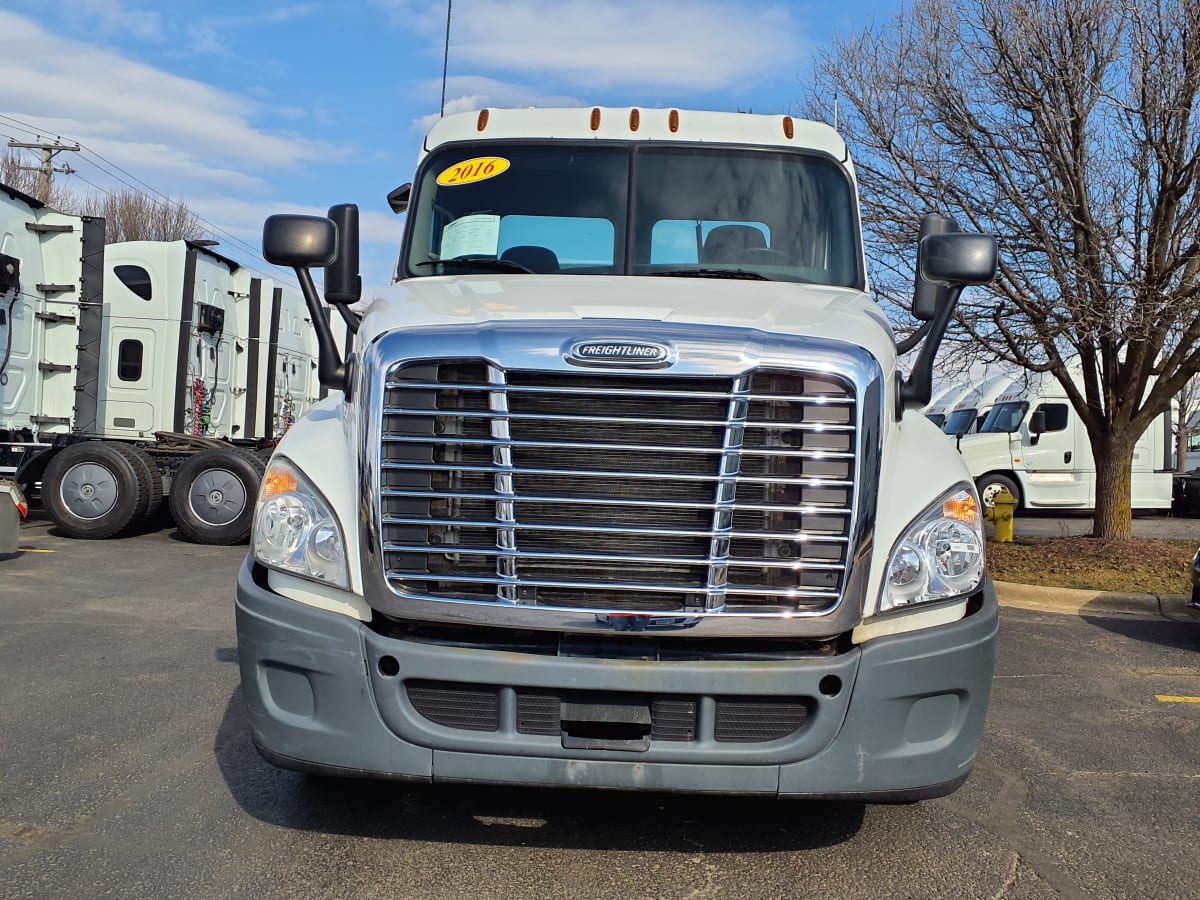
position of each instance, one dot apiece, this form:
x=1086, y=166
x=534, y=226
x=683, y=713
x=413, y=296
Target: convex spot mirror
x=299, y=241
x=958, y=259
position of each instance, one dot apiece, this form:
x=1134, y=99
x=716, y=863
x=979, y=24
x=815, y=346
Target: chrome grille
x=642, y=493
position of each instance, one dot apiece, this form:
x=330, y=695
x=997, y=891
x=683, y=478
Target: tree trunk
x=1114, y=501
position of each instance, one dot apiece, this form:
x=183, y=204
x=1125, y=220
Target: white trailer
x=139, y=369
x=1046, y=462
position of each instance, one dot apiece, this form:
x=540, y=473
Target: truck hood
x=838, y=314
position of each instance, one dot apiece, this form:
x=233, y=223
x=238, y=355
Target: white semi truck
x=136, y=369
x=620, y=485
x=1033, y=444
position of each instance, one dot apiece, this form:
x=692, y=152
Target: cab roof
x=635, y=124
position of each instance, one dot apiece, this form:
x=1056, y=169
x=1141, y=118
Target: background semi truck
x=620, y=485
x=1033, y=444
x=139, y=369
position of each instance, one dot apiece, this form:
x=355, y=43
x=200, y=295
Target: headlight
x=940, y=555
x=295, y=530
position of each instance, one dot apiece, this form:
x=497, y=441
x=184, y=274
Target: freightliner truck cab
x=620, y=484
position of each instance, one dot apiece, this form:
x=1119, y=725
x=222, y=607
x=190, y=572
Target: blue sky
x=247, y=109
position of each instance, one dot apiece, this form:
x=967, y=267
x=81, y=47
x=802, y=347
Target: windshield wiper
x=478, y=262
x=744, y=274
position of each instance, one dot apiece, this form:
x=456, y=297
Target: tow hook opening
x=606, y=726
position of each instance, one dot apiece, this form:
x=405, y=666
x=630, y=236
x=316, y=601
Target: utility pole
x=47, y=169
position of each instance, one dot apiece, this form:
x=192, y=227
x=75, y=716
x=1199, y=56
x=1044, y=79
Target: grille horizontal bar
x=571, y=445
x=635, y=492
x=601, y=557
x=599, y=473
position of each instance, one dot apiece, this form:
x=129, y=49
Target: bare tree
x=1071, y=130
x=132, y=216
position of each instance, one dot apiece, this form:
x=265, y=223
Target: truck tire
x=95, y=489
x=213, y=494
x=154, y=493
x=988, y=485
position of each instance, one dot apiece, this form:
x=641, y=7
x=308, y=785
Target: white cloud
x=469, y=92
x=104, y=94
x=703, y=46
x=113, y=17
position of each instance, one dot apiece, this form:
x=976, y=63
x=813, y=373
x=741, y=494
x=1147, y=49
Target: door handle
x=1067, y=456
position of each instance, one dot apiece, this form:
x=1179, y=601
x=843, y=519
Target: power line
x=87, y=152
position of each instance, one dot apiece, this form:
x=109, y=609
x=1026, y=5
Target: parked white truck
x=139, y=368
x=620, y=486
x=1033, y=444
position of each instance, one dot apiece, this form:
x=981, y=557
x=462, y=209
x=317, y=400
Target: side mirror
x=1037, y=422
x=927, y=296
x=299, y=241
x=955, y=260
x=343, y=284
x=398, y=199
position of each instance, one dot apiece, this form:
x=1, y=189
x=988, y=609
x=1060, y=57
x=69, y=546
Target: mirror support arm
x=917, y=390
x=331, y=371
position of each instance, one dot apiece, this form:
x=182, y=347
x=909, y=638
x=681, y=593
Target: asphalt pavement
x=128, y=771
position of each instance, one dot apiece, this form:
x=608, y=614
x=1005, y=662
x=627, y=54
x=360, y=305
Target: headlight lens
x=295, y=530
x=940, y=556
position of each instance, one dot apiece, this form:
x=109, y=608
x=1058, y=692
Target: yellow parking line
x=1169, y=698
x=33, y=550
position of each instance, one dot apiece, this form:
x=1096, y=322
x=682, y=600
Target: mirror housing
x=946, y=263
x=343, y=284
x=398, y=199
x=302, y=242
x=928, y=296
x=1037, y=422
x=957, y=260
x=299, y=241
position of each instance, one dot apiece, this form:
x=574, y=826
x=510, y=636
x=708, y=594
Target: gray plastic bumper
x=905, y=723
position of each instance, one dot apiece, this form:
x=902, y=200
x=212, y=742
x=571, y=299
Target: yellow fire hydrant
x=1001, y=512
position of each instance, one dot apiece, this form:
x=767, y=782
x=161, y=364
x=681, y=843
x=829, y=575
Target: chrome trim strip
x=632, y=586
x=506, y=512
x=730, y=465
x=813, y=399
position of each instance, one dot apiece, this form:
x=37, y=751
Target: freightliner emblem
x=619, y=353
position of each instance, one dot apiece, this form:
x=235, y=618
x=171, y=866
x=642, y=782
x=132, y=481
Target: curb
x=1065, y=601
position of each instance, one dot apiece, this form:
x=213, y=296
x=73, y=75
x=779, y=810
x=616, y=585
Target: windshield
x=960, y=422
x=604, y=209
x=1004, y=418
x=936, y=418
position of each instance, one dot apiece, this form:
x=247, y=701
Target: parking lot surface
x=127, y=770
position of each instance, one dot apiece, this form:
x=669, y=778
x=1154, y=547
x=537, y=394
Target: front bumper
x=899, y=718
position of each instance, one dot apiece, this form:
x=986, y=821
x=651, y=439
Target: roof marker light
x=788, y=128
x=483, y=120
x=635, y=119
x=595, y=118
x=673, y=121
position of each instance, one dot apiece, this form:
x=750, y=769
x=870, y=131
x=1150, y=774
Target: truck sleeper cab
x=617, y=489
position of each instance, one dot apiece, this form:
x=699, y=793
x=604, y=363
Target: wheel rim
x=988, y=495
x=217, y=497
x=88, y=490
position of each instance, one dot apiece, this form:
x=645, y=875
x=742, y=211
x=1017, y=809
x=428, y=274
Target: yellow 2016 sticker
x=471, y=170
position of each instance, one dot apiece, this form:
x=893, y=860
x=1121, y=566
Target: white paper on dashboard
x=470, y=235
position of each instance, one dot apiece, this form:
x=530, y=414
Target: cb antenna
x=446, y=56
